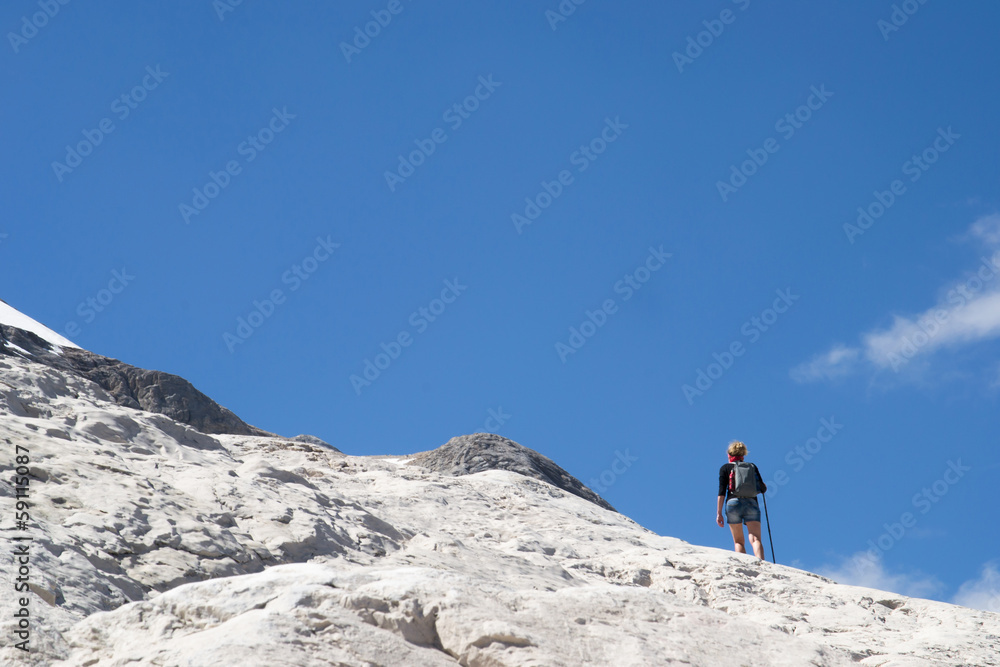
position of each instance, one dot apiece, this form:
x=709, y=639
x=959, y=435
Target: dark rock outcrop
x=468, y=454
x=313, y=440
x=138, y=388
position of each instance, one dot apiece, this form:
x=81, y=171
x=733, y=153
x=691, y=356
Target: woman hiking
x=742, y=507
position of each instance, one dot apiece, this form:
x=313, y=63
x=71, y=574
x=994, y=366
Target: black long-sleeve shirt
x=724, y=478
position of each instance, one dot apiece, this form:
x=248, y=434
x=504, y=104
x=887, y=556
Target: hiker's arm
x=760, y=480
x=723, y=490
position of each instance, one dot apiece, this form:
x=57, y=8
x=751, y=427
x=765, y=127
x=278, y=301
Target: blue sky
x=548, y=226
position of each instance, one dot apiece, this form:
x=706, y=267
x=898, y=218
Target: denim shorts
x=742, y=510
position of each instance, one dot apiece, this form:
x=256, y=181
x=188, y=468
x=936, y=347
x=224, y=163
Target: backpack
x=743, y=480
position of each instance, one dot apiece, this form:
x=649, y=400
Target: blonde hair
x=737, y=448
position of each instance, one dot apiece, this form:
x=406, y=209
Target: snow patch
x=15, y=318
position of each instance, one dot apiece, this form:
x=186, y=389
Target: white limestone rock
x=155, y=544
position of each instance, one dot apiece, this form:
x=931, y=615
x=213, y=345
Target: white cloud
x=987, y=229
x=967, y=313
x=982, y=593
x=863, y=570
x=965, y=316
x=838, y=362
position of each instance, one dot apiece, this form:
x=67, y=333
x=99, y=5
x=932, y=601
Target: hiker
x=741, y=484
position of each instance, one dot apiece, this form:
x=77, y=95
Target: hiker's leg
x=737, y=529
x=758, y=547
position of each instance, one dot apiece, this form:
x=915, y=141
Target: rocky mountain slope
x=153, y=391
x=160, y=538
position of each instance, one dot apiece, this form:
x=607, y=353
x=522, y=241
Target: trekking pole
x=764, y=496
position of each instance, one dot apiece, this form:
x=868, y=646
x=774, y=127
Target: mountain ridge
x=155, y=543
x=131, y=386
